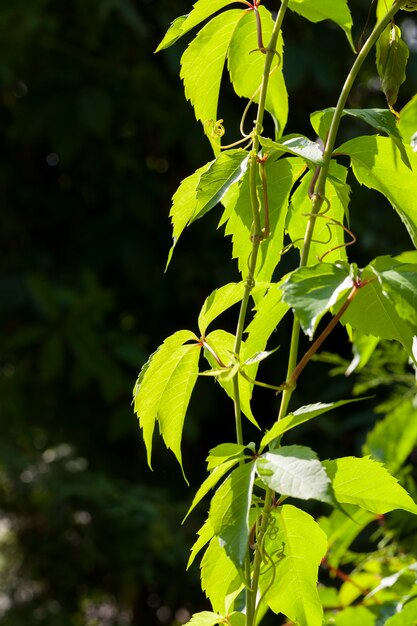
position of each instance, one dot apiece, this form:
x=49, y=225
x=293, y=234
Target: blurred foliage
x=95, y=137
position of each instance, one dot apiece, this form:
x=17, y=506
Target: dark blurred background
x=95, y=136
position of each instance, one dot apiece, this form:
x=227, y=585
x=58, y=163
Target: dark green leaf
x=391, y=61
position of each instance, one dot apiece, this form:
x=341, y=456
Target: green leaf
x=300, y=416
x=408, y=123
x=246, y=66
x=220, y=579
x=202, y=9
x=211, y=481
x=222, y=343
x=229, y=512
x=223, y=452
x=355, y=615
x=391, y=61
x=393, y=438
x=205, y=618
x=399, y=282
x=296, y=550
x=363, y=347
x=184, y=203
x=163, y=390
x=202, y=68
x=312, y=291
x=318, y=10
x=342, y=527
x=295, y=471
x=228, y=168
x=407, y=616
x=297, y=145
x=383, y=120
x=377, y=164
x=205, y=534
x=366, y=483
x=329, y=235
x=219, y=301
x=372, y=313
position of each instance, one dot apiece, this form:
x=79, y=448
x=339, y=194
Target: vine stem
x=318, y=194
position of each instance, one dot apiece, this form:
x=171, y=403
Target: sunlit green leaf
x=202, y=68
x=220, y=579
x=300, y=416
x=342, y=527
x=318, y=10
x=366, y=483
x=201, y=10
x=205, y=534
x=363, y=347
x=296, y=550
x=205, y=618
x=391, y=60
x=246, y=66
x=218, y=302
x=312, y=291
x=295, y=471
x=355, y=615
x=407, y=616
x=408, y=123
x=377, y=164
x=223, y=452
x=229, y=512
x=297, y=145
x=164, y=390
x=399, y=282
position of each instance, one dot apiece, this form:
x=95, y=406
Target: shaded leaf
x=229, y=512
x=408, y=123
x=366, y=483
x=391, y=60
x=363, y=347
x=399, y=282
x=295, y=471
x=297, y=145
x=407, y=616
x=342, y=527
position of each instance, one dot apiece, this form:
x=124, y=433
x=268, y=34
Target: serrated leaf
x=408, y=613
x=377, y=164
x=222, y=343
x=297, y=550
x=408, y=123
x=229, y=512
x=393, y=438
x=391, y=61
x=205, y=534
x=295, y=471
x=210, y=482
x=205, y=618
x=201, y=10
x=202, y=68
x=164, y=390
x=312, y=291
x=372, y=313
x=318, y=10
x=383, y=120
x=342, y=527
x=219, y=301
x=399, y=282
x=297, y=145
x=300, y=416
x=223, y=452
x=227, y=169
x=220, y=579
x=184, y=203
x=366, y=483
x=329, y=235
x=246, y=66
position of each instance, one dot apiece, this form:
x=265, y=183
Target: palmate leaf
x=229, y=512
x=391, y=60
x=312, y=291
x=163, y=391
x=220, y=579
x=376, y=163
x=295, y=471
x=318, y=10
x=383, y=120
x=366, y=483
x=201, y=10
x=300, y=416
x=246, y=66
x=297, y=550
x=202, y=68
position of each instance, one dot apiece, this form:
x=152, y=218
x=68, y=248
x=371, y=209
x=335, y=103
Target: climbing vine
x=261, y=548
